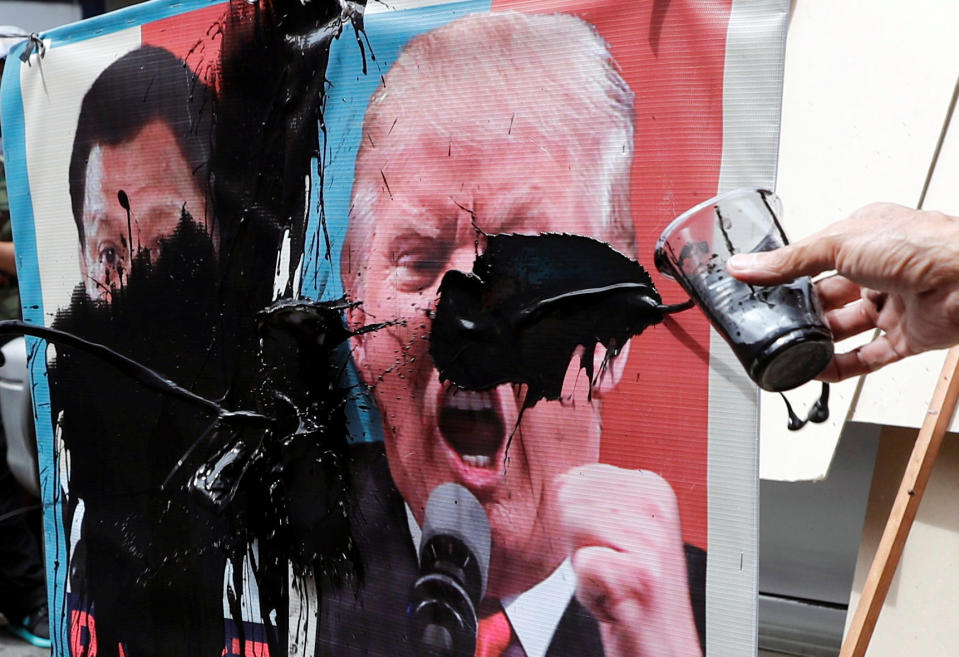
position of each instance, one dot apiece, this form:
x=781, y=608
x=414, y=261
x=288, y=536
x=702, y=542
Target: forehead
x=429, y=186
x=155, y=178
x=155, y=143
x=149, y=164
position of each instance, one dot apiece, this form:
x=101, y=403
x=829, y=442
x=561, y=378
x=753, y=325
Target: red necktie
x=495, y=634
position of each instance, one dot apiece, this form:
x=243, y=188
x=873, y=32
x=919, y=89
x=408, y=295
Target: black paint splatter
x=529, y=302
x=140, y=549
x=273, y=74
x=170, y=490
x=174, y=483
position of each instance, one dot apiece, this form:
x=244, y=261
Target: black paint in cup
x=777, y=332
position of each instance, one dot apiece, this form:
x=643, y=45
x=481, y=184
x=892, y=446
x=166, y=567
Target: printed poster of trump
x=345, y=334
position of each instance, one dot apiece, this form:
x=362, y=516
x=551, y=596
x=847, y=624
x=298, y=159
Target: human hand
x=626, y=547
x=897, y=269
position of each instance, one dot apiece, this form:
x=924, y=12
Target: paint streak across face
x=529, y=302
x=434, y=194
x=152, y=175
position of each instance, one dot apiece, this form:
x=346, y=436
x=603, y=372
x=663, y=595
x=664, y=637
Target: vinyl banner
x=347, y=337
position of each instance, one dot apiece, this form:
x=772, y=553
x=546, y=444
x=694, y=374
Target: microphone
x=454, y=565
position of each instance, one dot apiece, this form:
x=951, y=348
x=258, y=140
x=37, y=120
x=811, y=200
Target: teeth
x=477, y=460
x=465, y=401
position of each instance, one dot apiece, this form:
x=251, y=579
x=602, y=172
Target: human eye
x=417, y=267
x=112, y=261
x=108, y=255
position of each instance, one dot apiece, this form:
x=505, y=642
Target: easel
x=918, y=470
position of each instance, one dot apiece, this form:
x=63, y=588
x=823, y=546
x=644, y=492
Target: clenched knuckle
x=660, y=496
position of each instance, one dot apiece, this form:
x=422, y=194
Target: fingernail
x=744, y=262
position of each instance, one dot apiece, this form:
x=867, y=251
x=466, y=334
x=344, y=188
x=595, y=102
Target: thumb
x=806, y=258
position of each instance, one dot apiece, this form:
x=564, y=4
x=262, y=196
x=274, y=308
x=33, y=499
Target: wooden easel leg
x=904, y=508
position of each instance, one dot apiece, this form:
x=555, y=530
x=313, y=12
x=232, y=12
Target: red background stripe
x=672, y=55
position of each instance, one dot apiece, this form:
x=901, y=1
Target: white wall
x=867, y=87
x=38, y=16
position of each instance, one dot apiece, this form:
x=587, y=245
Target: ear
x=607, y=369
x=355, y=319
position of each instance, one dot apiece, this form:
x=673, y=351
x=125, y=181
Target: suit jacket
x=369, y=620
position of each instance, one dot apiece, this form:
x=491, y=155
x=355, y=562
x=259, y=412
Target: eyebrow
x=429, y=230
x=427, y=220
x=512, y=213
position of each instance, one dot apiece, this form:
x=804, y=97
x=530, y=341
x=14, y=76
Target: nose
x=460, y=259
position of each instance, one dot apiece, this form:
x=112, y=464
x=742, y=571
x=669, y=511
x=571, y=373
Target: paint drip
x=818, y=413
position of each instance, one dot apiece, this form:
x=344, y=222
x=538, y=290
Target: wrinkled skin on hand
x=897, y=269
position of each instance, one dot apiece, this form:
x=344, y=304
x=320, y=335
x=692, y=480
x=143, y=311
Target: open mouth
x=471, y=425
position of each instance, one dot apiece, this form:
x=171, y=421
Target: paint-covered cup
x=777, y=332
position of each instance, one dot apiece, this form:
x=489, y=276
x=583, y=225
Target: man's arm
x=897, y=269
x=623, y=533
